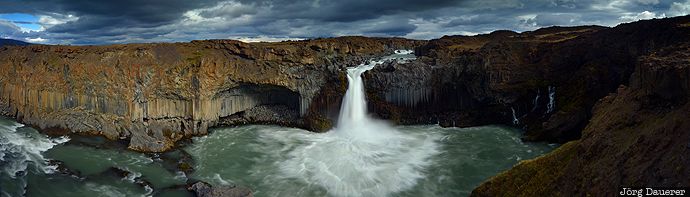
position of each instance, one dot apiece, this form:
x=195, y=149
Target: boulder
x=203, y=189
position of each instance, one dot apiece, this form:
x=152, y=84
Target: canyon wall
x=639, y=136
x=156, y=94
x=616, y=97
x=545, y=81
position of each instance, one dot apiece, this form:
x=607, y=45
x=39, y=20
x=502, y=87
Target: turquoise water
x=255, y=156
x=423, y=160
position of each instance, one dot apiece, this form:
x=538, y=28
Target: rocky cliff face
x=156, y=94
x=638, y=136
x=545, y=81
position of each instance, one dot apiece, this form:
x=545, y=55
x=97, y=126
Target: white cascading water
x=552, y=100
x=20, y=149
x=362, y=156
x=354, y=121
x=516, y=120
x=354, y=109
x=535, y=102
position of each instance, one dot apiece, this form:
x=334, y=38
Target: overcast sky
x=127, y=21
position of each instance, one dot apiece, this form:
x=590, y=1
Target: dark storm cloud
x=150, y=12
x=469, y=20
x=394, y=29
x=347, y=10
x=107, y=21
x=125, y=21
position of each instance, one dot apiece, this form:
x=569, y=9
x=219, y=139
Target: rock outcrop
x=202, y=189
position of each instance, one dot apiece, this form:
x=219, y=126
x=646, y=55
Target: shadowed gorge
x=638, y=136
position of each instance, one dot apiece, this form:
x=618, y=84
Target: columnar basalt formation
x=156, y=94
x=550, y=77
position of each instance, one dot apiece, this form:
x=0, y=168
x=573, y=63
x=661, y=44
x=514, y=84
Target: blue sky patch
x=25, y=21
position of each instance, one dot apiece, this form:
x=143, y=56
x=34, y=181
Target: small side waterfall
x=552, y=100
x=535, y=103
x=516, y=121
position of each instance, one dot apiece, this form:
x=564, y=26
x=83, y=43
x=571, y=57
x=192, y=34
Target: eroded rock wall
x=638, y=136
x=551, y=78
x=156, y=94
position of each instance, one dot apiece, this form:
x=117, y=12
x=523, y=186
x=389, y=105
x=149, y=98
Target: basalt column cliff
x=156, y=94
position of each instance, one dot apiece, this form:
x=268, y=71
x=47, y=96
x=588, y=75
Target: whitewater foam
x=132, y=175
x=20, y=148
x=221, y=180
x=362, y=156
x=403, y=52
x=552, y=100
x=516, y=120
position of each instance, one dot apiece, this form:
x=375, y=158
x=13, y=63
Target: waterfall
x=362, y=156
x=535, y=103
x=552, y=100
x=354, y=106
x=516, y=121
x=353, y=120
